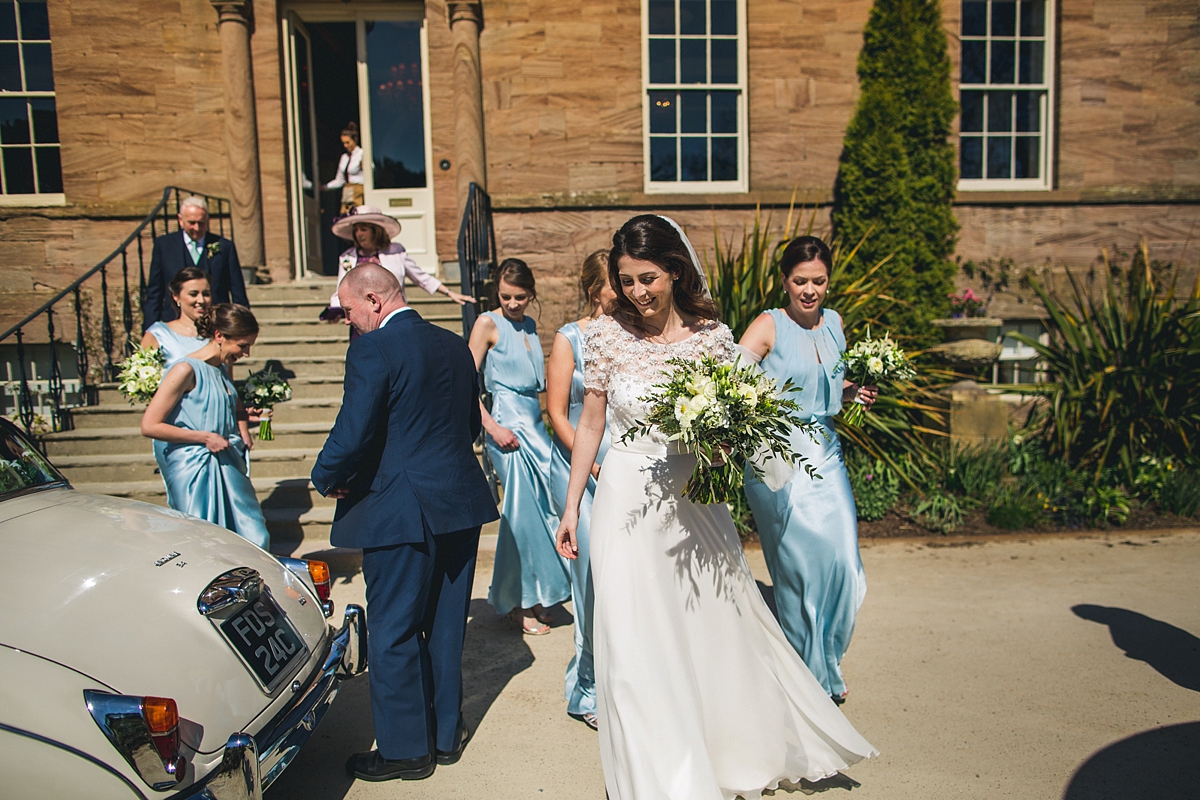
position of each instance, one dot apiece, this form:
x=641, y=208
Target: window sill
x=32, y=200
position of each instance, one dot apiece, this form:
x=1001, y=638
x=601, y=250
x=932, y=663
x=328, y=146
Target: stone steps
x=110, y=468
x=283, y=491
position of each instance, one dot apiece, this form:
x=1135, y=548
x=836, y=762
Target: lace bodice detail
x=626, y=367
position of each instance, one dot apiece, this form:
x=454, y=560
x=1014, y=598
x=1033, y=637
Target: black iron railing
x=476, y=259
x=102, y=340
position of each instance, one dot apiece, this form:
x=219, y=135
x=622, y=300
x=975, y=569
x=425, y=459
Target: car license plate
x=265, y=639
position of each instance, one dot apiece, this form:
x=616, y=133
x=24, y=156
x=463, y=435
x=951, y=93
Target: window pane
x=39, y=75
x=34, y=22
x=724, y=17
x=1031, y=62
x=724, y=159
x=1003, y=58
x=693, y=156
x=1004, y=18
x=662, y=112
x=999, y=111
x=662, y=60
x=974, y=62
x=8, y=20
x=1033, y=18
x=693, y=112
x=14, y=121
x=693, y=56
x=10, y=68
x=974, y=18
x=45, y=120
x=692, y=17
x=999, y=157
x=1029, y=111
x=18, y=170
x=397, y=108
x=724, y=61
x=971, y=157
x=1026, y=162
x=972, y=111
x=662, y=159
x=662, y=16
x=49, y=170
x=724, y=112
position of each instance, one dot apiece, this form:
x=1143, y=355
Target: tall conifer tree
x=897, y=171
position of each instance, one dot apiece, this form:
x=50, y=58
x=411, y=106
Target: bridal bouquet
x=872, y=362
x=724, y=414
x=263, y=390
x=141, y=374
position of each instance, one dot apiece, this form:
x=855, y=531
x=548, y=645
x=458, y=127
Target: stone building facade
x=551, y=105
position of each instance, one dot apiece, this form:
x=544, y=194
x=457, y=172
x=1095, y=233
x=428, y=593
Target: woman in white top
x=349, y=176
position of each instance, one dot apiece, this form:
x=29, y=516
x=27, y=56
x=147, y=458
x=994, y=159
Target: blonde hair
x=592, y=277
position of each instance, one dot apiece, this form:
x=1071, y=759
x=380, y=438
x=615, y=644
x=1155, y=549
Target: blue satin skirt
x=528, y=571
x=213, y=487
x=809, y=535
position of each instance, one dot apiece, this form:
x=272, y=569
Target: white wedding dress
x=700, y=696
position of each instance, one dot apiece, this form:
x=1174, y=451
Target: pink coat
x=395, y=260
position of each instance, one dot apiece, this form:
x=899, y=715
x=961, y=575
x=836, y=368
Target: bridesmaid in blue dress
x=808, y=528
x=528, y=576
x=564, y=404
x=192, y=292
x=197, y=415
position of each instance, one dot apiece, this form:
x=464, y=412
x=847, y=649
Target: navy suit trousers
x=418, y=596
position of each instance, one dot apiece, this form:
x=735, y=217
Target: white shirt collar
x=388, y=318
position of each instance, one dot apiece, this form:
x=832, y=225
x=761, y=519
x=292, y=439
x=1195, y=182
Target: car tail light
x=145, y=730
x=317, y=572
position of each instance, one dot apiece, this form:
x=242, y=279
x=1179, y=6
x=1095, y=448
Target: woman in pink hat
x=372, y=232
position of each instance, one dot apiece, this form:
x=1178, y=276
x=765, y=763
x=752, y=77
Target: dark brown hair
x=351, y=130
x=187, y=274
x=592, y=277
x=648, y=237
x=379, y=240
x=229, y=319
x=516, y=272
x=803, y=249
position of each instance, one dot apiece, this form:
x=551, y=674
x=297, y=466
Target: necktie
x=193, y=249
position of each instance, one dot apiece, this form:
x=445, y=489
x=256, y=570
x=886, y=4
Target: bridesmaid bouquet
x=726, y=415
x=872, y=362
x=263, y=390
x=141, y=374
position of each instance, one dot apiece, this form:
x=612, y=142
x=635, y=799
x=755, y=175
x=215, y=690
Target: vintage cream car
x=147, y=654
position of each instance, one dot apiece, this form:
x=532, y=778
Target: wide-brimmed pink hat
x=343, y=226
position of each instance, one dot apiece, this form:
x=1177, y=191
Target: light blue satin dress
x=211, y=486
x=809, y=529
x=581, y=675
x=528, y=571
x=175, y=347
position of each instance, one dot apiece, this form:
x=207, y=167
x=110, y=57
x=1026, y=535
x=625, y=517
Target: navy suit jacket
x=170, y=255
x=403, y=440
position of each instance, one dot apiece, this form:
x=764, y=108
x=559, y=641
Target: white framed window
x=1006, y=95
x=30, y=165
x=694, y=105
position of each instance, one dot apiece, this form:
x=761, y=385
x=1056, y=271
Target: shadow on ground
x=1172, y=651
x=1160, y=764
x=493, y=654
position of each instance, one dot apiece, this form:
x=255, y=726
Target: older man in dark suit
x=412, y=495
x=192, y=246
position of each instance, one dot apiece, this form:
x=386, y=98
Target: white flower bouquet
x=726, y=415
x=141, y=374
x=874, y=362
x=263, y=390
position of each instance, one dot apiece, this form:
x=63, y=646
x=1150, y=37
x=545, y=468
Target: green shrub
x=876, y=487
x=1107, y=505
x=743, y=518
x=940, y=511
x=1014, y=507
x=1180, y=493
x=973, y=470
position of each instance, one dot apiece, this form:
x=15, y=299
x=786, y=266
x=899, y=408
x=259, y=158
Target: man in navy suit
x=191, y=246
x=412, y=495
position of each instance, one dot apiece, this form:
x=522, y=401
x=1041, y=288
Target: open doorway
x=370, y=69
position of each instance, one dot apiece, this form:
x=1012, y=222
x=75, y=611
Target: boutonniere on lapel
x=348, y=262
x=211, y=249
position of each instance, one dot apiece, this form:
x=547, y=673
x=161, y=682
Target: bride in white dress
x=699, y=694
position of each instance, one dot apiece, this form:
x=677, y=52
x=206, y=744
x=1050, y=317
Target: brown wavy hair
x=592, y=277
x=648, y=237
x=231, y=320
x=185, y=275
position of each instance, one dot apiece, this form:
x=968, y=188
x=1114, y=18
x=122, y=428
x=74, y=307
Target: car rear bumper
x=251, y=763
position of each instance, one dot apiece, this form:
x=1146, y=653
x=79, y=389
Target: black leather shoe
x=464, y=736
x=371, y=766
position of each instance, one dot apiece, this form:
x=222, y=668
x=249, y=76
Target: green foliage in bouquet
x=874, y=362
x=141, y=373
x=263, y=390
x=725, y=415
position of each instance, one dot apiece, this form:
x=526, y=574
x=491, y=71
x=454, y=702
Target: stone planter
x=970, y=342
x=975, y=415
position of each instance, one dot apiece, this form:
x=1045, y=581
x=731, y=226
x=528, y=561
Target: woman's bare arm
x=484, y=337
x=583, y=457
x=175, y=384
x=759, y=338
x=559, y=372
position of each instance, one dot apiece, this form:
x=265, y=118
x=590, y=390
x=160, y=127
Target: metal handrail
x=25, y=410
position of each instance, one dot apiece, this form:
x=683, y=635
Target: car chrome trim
x=120, y=718
x=75, y=752
x=241, y=585
x=238, y=776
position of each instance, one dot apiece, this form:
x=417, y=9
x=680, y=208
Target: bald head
x=368, y=294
